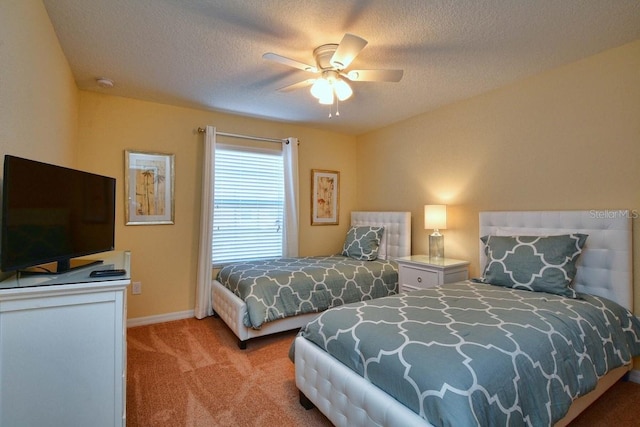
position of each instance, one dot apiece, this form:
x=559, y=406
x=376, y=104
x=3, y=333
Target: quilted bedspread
x=468, y=354
x=284, y=287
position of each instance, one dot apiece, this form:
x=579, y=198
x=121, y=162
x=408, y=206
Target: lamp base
x=436, y=246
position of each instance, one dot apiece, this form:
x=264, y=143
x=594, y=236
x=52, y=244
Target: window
x=248, y=204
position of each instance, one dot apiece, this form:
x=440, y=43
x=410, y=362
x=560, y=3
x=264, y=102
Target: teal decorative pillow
x=362, y=243
x=535, y=263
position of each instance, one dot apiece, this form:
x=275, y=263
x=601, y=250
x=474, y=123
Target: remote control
x=107, y=273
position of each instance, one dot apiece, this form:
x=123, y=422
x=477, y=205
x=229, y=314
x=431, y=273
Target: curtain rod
x=255, y=138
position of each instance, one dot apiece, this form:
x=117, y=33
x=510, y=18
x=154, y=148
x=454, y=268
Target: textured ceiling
x=208, y=53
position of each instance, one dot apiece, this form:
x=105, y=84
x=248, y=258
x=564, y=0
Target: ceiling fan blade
x=298, y=85
x=289, y=62
x=347, y=50
x=375, y=75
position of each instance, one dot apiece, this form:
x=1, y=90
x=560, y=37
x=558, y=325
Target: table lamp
x=435, y=218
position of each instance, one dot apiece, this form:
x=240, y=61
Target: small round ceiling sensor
x=104, y=82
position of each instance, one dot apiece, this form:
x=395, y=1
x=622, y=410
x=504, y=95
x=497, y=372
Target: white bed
x=395, y=242
x=604, y=269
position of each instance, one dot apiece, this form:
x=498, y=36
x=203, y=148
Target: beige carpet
x=191, y=373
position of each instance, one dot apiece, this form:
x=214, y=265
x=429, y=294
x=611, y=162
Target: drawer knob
x=419, y=279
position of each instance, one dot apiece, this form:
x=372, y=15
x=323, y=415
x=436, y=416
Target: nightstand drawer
x=421, y=272
x=415, y=278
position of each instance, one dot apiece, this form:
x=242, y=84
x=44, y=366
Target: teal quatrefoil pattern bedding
x=467, y=354
x=534, y=263
x=279, y=288
x=362, y=242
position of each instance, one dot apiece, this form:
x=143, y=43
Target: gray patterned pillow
x=362, y=242
x=535, y=263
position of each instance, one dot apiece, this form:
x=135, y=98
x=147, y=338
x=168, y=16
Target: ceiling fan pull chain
x=337, y=107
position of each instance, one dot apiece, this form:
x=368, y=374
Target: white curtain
x=290, y=155
x=290, y=239
x=203, y=290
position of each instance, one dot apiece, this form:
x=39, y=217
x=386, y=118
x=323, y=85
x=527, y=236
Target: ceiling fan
x=332, y=61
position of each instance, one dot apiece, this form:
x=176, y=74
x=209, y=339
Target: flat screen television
x=52, y=214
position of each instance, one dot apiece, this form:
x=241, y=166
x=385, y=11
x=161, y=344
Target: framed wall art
x=149, y=188
x=325, y=197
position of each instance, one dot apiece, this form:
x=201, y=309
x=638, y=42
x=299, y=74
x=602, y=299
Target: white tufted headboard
x=396, y=238
x=605, y=267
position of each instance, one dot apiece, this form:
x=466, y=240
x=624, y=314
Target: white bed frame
x=395, y=242
x=605, y=269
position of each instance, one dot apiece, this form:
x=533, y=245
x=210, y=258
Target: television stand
x=63, y=348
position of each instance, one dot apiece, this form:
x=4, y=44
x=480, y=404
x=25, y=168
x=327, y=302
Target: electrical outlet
x=137, y=288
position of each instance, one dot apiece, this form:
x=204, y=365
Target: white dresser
x=422, y=272
x=63, y=347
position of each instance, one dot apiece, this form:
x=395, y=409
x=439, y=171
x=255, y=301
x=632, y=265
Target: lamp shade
x=327, y=98
x=435, y=217
x=322, y=89
x=343, y=90
x=330, y=86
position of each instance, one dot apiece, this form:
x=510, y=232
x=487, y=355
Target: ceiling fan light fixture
x=329, y=86
x=321, y=88
x=327, y=99
x=332, y=61
x=343, y=90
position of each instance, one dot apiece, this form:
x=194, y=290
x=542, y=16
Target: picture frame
x=325, y=197
x=149, y=188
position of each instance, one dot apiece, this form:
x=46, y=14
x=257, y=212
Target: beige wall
x=43, y=117
x=38, y=96
x=164, y=256
x=565, y=139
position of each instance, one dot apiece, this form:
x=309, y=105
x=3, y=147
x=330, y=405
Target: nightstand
x=422, y=272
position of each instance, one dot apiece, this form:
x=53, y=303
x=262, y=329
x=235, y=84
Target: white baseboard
x=634, y=376
x=160, y=318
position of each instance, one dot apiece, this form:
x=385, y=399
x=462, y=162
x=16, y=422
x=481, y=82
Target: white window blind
x=248, y=205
